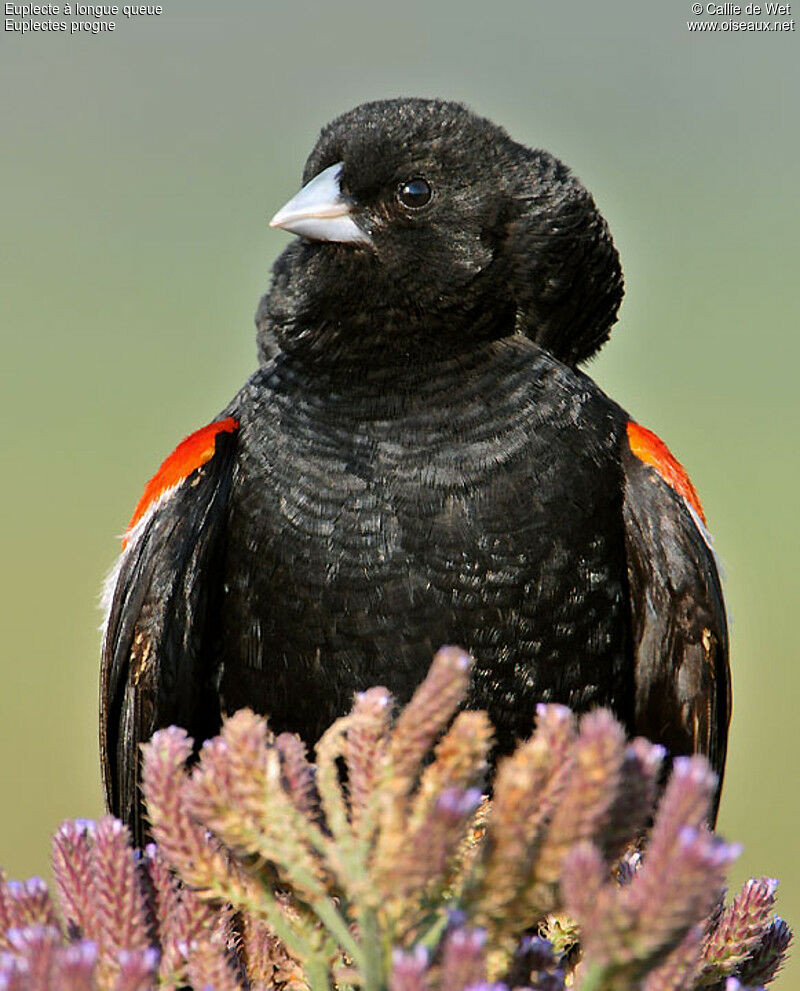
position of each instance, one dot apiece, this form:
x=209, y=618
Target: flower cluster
x=383, y=865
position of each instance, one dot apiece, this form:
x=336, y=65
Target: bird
x=419, y=460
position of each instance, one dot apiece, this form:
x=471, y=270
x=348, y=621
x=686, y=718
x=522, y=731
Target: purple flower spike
x=14, y=973
x=27, y=903
x=766, y=959
x=409, y=970
x=463, y=959
x=76, y=966
x=137, y=969
x=116, y=893
x=37, y=945
x=71, y=858
x=273, y=869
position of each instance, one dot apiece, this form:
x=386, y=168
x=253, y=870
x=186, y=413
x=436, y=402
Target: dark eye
x=414, y=193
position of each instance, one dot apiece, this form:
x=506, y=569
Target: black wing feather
x=158, y=666
x=680, y=631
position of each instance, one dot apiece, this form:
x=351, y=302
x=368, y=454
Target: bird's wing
x=156, y=664
x=680, y=633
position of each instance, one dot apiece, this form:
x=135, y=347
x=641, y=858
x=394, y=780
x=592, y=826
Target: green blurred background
x=137, y=175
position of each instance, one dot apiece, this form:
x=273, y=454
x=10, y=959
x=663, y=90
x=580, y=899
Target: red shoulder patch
x=192, y=452
x=654, y=452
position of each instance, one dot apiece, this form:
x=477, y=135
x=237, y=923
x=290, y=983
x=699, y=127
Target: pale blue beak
x=320, y=211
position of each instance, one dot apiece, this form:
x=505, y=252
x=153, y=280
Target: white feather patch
x=132, y=538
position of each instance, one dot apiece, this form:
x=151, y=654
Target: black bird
x=418, y=461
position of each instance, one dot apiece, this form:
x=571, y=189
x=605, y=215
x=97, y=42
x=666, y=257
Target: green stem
x=317, y=974
x=337, y=927
x=372, y=968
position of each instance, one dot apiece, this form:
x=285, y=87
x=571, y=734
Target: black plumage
x=418, y=461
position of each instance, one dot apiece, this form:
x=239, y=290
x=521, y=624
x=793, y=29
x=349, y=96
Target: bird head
x=422, y=225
